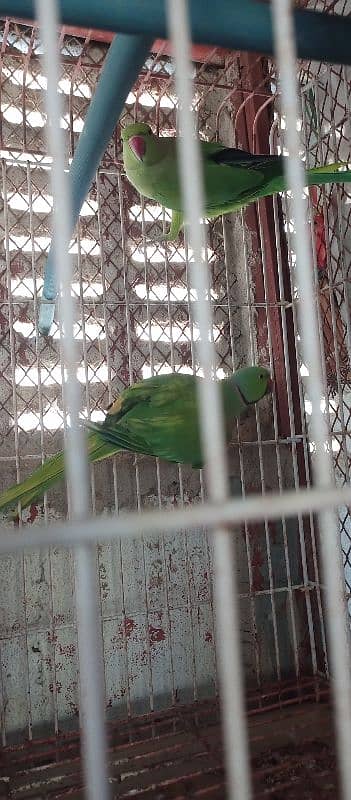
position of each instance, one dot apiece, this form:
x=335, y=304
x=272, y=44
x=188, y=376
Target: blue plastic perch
x=122, y=65
x=237, y=25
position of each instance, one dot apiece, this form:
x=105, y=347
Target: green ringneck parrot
x=156, y=417
x=232, y=178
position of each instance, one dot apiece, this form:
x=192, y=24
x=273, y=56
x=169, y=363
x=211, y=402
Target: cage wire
x=133, y=321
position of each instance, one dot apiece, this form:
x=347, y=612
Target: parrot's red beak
x=138, y=147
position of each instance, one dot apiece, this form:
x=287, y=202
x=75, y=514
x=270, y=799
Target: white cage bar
x=137, y=303
x=89, y=634
x=337, y=618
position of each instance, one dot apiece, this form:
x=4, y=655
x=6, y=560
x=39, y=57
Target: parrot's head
x=253, y=383
x=139, y=144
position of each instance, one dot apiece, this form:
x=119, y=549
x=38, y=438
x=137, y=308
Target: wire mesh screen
x=325, y=108
x=133, y=321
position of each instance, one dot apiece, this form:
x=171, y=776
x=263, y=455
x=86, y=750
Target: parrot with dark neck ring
x=156, y=417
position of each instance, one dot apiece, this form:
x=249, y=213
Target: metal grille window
x=133, y=300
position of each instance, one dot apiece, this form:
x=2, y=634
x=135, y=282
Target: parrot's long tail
x=48, y=474
x=316, y=176
x=330, y=173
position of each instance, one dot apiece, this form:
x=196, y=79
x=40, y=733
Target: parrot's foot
x=173, y=233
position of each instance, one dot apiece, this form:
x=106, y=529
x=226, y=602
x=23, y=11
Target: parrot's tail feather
x=329, y=173
x=35, y=486
x=51, y=472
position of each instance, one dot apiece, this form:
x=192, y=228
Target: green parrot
x=233, y=178
x=156, y=417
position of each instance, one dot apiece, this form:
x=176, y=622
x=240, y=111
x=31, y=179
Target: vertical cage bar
x=284, y=323
x=16, y=429
x=277, y=446
x=89, y=634
x=42, y=442
x=337, y=620
x=210, y=411
x=306, y=462
x=253, y=352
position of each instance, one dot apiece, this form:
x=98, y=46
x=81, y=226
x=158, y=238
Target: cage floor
x=178, y=754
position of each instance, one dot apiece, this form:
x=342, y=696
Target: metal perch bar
x=238, y=26
x=121, y=68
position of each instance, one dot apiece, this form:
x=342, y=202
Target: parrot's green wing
x=232, y=156
x=158, y=417
x=157, y=391
x=123, y=438
x=233, y=177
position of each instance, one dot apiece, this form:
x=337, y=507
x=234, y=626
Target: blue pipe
x=237, y=25
x=122, y=65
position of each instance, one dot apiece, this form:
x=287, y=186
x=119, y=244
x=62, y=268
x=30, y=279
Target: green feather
x=156, y=417
x=232, y=178
x=51, y=472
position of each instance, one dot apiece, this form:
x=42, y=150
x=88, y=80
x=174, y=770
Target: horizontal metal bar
x=121, y=68
x=239, y=26
x=298, y=438
x=253, y=508
x=201, y=604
